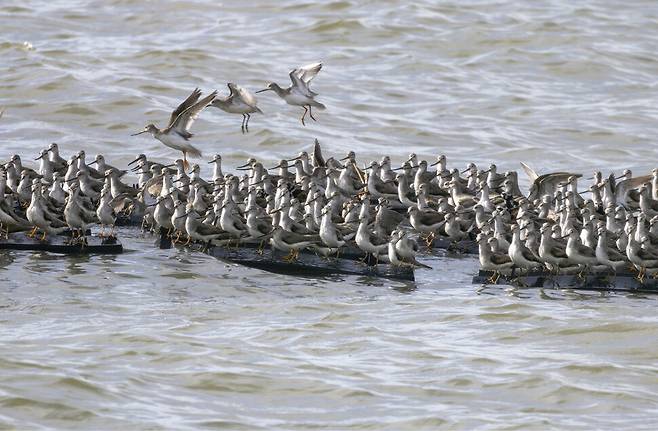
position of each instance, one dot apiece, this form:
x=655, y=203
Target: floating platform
x=62, y=244
x=271, y=260
x=623, y=282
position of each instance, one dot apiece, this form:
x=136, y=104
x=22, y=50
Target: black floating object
x=622, y=282
x=62, y=244
x=349, y=262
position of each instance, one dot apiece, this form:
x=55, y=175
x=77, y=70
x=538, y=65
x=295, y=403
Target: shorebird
x=522, y=256
x=609, y=256
x=177, y=133
x=580, y=254
x=76, y=216
x=196, y=230
x=496, y=262
x=39, y=216
x=239, y=101
x=406, y=249
x=59, y=163
x=105, y=213
x=299, y=93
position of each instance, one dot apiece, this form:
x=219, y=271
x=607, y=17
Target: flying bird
x=177, y=133
x=299, y=93
x=239, y=101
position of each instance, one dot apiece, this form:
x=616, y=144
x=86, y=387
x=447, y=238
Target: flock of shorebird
x=307, y=202
x=239, y=101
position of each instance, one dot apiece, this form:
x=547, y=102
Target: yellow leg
x=43, y=237
x=32, y=232
x=288, y=257
x=186, y=165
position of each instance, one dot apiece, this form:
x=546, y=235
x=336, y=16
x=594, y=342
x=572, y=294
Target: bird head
x=149, y=128
x=269, y=86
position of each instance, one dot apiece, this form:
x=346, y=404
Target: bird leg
x=261, y=248
x=430, y=239
x=246, y=124
x=244, y=119
x=288, y=258
x=640, y=275
x=304, y=115
x=32, y=232
x=43, y=237
x=189, y=240
x=580, y=274
x=311, y=113
x=186, y=164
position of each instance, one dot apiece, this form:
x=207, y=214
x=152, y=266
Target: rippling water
x=166, y=339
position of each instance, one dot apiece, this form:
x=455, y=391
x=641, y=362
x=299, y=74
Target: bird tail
x=318, y=105
x=194, y=152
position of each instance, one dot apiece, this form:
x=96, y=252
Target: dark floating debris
x=623, y=282
x=62, y=244
x=251, y=254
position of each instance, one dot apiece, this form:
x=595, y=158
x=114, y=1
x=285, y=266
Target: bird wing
x=500, y=259
x=587, y=251
x=625, y=186
x=431, y=218
x=185, y=119
x=318, y=160
x=246, y=96
x=153, y=186
x=529, y=172
x=300, y=85
x=308, y=72
x=191, y=99
x=530, y=255
x=559, y=252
